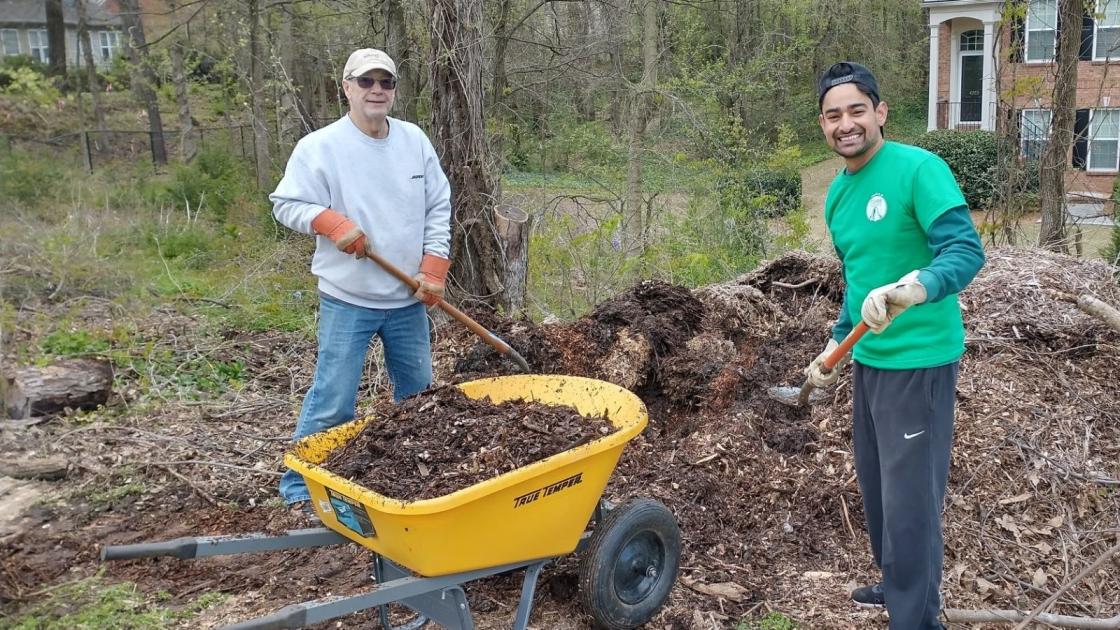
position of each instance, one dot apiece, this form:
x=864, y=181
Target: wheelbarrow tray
x=536, y=511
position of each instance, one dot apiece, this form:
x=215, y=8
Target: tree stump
x=73, y=383
x=512, y=225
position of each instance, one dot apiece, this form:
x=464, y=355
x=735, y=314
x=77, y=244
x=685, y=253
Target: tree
x=641, y=107
x=143, y=77
x=1052, y=192
x=179, y=76
x=256, y=97
x=91, y=69
x=56, y=38
x=477, y=256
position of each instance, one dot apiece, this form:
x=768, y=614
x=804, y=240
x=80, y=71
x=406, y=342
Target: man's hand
x=815, y=372
x=885, y=303
x=346, y=236
x=432, y=277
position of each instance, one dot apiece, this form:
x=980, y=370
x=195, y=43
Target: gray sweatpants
x=902, y=433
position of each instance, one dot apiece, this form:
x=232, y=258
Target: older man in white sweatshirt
x=366, y=180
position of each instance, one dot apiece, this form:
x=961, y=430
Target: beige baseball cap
x=363, y=60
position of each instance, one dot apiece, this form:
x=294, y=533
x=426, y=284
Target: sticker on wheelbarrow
x=548, y=490
x=351, y=514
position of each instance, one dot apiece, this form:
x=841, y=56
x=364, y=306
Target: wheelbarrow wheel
x=630, y=564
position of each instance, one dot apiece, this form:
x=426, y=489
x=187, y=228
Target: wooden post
x=87, y=154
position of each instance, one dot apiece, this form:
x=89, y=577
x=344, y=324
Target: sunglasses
x=367, y=82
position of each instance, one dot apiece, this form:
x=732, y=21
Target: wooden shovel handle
x=487, y=336
x=845, y=346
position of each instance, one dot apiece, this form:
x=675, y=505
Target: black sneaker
x=870, y=596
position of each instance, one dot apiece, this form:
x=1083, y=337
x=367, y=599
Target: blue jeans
x=345, y=331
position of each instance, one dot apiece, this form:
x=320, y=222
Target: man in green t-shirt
x=906, y=240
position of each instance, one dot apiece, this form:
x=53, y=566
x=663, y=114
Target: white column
x=988, y=84
x=933, y=63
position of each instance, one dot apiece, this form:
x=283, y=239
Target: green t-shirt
x=879, y=218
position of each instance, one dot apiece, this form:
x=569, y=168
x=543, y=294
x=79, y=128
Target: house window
x=1042, y=16
x=9, y=42
x=110, y=44
x=1107, y=29
x=1034, y=131
x=973, y=41
x=40, y=49
x=1104, y=136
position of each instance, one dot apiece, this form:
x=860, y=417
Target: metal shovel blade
x=792, y=395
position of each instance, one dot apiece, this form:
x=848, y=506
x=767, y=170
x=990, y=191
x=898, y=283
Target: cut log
x=45, y=468
x=1102, y=311
x=512, y=225
x=69, y=383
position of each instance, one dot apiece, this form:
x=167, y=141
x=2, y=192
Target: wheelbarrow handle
x=502, y=347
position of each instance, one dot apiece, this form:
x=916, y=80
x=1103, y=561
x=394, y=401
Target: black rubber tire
x=630, y=564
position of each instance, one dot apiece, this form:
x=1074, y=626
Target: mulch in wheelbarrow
x=440, y=441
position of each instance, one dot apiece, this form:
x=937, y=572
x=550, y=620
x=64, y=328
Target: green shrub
x=211, y=183
x=27, y=180
x=972, y=157
x=63, y=343
x=782, y=186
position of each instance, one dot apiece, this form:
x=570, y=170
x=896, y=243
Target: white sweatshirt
x=393, y=188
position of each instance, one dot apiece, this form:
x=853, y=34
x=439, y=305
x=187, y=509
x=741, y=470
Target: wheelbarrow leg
x=528, y=590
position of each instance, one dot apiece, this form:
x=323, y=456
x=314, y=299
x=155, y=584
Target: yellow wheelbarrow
x=425, y=551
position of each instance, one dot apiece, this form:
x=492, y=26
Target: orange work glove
x=432, y=277
x=346, y=236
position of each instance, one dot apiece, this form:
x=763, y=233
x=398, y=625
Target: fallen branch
x=45, y=468
x=799, y=285
x=1100, y=310
x=199, y=491
x=219, y=464
x=955, y=615
x=1086, y=572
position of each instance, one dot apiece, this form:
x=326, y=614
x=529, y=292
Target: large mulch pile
x=766, y=495
x=440, y=441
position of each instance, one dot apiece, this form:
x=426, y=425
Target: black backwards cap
x=847, y=72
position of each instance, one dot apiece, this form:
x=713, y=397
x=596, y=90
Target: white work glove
x=882, y=305
x=815, y=374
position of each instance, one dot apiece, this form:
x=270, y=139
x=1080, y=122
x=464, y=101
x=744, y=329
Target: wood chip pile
x=766, y=495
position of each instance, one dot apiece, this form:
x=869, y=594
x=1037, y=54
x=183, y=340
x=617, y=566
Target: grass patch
x=94, y=604
x=771, y=621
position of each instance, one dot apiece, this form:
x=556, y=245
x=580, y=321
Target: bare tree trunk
x=477, y=259
x=615, y=30
x=256, y=97
x=187, y=146
x=56, y=38
x=91, y=68
x=579, y=17
x=143, y=77
x=640, y=107
x=1052, y=236
x=501, y=44
x=401, y=49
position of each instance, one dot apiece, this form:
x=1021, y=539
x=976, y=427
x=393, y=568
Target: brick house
x=23, y=31
x=994, y=74
x=23, y=28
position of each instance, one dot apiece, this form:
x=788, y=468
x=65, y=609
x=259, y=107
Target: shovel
x=798, y=397
x=502, y=347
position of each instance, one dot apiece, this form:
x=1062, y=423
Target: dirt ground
x=765, y=495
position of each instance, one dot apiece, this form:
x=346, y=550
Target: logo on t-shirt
x=876, y=207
